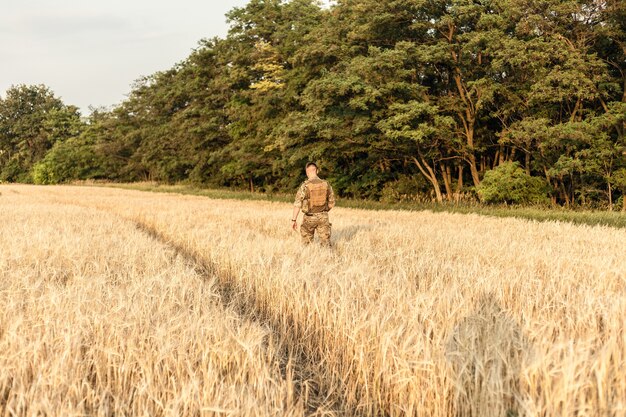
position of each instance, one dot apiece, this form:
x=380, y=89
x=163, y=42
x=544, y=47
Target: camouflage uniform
x=315, y=198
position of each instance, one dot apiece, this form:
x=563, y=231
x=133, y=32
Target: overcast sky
x=89, y=52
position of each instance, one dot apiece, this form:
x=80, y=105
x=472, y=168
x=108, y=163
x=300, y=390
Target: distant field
x=588, y=217
x=121, y=302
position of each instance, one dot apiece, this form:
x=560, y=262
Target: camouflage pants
x=313, y=222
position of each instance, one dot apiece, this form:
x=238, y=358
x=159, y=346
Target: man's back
x=315, y=198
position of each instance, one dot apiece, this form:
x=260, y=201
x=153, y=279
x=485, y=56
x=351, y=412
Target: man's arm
x=331, y=197
x=297, y=204
x=294, y=217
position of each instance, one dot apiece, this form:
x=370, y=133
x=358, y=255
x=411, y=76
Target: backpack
x=317, y=194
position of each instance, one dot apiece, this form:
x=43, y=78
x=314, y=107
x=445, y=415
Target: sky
x=89, y=52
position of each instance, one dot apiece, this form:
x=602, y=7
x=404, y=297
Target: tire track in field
x=309, y=388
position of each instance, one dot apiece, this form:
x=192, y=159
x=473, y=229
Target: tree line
x=505, y=100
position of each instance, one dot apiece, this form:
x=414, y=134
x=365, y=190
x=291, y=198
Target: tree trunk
x=527, y=162
x=499, y=157
x=610, y=189
x=251, y=184
x=447, y=180
x=459, y=184
x=572, y=190
x=564, y=193
x=474, y=170
x=554, y=186
x=621, y=132
x=468, y=117
x=577, y=107
x=430, y=175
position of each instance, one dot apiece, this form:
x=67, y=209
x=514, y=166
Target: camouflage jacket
x=315, y=196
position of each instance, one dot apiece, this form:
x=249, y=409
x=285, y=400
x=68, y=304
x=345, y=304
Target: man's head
x=311, y=170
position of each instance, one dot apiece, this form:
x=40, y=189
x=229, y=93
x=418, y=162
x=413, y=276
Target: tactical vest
x=317, y=196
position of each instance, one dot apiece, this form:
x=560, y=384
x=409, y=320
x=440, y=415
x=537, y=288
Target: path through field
x=120, y=302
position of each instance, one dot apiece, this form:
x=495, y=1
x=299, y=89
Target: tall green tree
x=32, y=120
x=266, y=82
x=377, y=92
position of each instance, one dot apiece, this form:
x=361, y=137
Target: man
x=315, y=198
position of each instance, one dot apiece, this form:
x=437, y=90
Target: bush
x=619, y=182
x=620, y=202
x=509, y=183
x=73, y=159
x=405, y=188
x=43, y=173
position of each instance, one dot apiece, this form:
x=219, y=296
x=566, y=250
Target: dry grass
x=411, y=314
x=99, y=319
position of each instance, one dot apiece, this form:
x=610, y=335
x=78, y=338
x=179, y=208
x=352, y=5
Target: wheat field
x=119, y=302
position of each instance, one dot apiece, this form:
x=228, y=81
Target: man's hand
x=294, y=218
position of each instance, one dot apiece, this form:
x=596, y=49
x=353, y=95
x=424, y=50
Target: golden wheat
x=99, y=319
x=411, y=313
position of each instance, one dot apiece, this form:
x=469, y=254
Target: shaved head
x=311, y=171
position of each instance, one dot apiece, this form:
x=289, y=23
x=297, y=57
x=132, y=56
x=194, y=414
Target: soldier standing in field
x=315, y=198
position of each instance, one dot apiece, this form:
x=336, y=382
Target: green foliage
x=508, y=183
x=73, y=159
x=404, y=189
x=32, y=120
x=377, y=92
x=619, y=180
